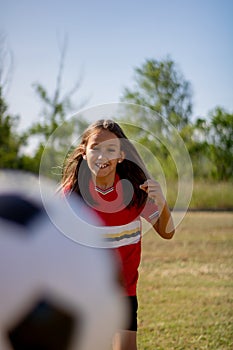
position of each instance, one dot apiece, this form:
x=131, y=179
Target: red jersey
x=123, y=228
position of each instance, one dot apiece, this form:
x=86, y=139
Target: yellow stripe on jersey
x=121, y=235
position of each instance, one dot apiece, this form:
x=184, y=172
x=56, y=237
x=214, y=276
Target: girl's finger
x=144, y=187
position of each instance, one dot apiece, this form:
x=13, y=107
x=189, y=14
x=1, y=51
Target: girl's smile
x=103, y=152
x=102, y=165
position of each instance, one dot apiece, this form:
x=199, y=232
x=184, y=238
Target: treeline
x=159, y=86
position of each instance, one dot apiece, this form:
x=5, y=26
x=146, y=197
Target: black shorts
x=133, y=308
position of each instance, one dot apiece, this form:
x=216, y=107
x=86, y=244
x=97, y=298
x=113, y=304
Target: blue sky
x=107, y=40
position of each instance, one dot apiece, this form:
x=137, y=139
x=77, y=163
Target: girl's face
x=103, y=152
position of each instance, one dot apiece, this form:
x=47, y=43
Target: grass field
x=185, y=288
x=206, y=195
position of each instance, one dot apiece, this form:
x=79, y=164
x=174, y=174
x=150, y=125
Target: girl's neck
x=104, y=183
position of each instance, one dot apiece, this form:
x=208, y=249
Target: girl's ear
x=84, y=156
x=122, y=157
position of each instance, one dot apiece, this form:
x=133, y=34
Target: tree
x=57, y=106
x=160, y=86
x=195, y=137
x=221, y=142
x=54, y=126
x=10, y=141
x=210, y=145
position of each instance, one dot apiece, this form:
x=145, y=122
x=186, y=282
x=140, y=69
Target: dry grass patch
x=186, y=286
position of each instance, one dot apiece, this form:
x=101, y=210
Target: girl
x=106, y=171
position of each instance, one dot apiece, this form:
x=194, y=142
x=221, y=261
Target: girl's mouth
x=102, y=166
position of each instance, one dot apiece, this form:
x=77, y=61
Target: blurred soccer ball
x=55, y=292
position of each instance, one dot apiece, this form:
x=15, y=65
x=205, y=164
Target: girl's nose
x=102, y=155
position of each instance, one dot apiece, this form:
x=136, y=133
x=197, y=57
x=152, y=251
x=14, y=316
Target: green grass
x=185, y=288
x=215, y=195
x=205, y=195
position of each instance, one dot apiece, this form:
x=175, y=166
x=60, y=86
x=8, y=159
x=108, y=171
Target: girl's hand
x=164, y=224
x=154, y=191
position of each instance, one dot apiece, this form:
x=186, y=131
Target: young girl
x=106, y=171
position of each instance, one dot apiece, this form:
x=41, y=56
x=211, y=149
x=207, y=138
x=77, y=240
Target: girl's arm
x=164, y=224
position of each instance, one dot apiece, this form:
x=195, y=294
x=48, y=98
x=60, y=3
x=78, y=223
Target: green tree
x=195, y=137
x=53, y=126
x=10, y=142
x=221, y=142
x=56, y=106
x=161, y=86
x=210, y=145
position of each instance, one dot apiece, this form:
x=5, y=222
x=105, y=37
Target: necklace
x=104, y=192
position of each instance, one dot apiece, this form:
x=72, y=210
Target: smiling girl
x=106, y=171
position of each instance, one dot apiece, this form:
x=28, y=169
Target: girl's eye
x=111, y=150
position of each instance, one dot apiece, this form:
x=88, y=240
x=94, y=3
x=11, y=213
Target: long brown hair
x=76, y=174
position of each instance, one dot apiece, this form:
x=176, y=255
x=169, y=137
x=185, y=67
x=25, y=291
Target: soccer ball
x=55, y=292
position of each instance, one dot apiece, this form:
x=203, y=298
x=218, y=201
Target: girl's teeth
x=101, y=166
